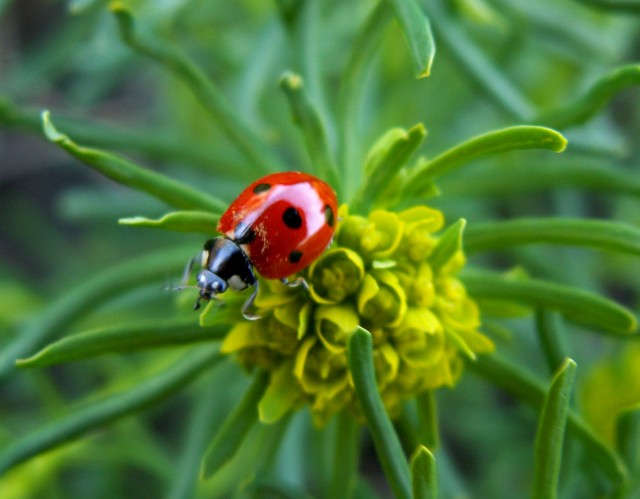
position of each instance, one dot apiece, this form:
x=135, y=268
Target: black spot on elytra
x=329, y=216
x=261, y=188
x=243, y=234
x=295, y=256
x=291, y=218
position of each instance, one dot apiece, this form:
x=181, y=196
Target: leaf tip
x=118, y=7
x=24, y=362
x=131, y=220
x=50, y=131
x=558, y=142
x=291, y=81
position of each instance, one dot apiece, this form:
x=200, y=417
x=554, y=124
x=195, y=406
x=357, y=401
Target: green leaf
x=345, y=456
x=209, y=96
x=550, y=435
x=423, y=474
x=97, y=413
x=622, y=6
x=385, y=439
x=123, y=339
x=498, y=141
x=351, y=93
x=384, y=161
x=158, y=144
x=84, y=298
x=603, y=234
x=576, y=304
x=600, y=93
x=184, y=478
x=181, y=221
x=628, y=436
x=131, y=175
x=417, y=32
x=476, y=65
x=529, y=389
x=235, y=428
x=448, y=245
x=313, y=130
x=281, y=395
x=496, y=180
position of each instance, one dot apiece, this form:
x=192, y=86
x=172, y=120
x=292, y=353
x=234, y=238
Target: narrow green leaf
x=550, y=435
x=212, y=100
x=123, y=339
x=423, y=474
x=496, y=180
x=345, y=457
x=417, y=32
x=157, y=144
x=280, y=396
x=352, y=89
x=603, y=234
x=476, y=65
x=600, y=93
x=498, y=141
x=576, y=304
x=84, y=298
x=385, y=439
x=235, y=428
x=131, y=175
x=313, y=130
x=529, y=389
x=204, y=412
x=95, y=414
x=448, y=245
x=628, y=436
x=427, y=420
x=622, y=6
x=550, y=335
x=181, y=221
x=384, y=161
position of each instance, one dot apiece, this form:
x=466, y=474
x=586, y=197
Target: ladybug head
x=209, y=285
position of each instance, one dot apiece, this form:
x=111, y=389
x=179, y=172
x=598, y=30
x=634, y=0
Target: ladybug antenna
x=249, y=303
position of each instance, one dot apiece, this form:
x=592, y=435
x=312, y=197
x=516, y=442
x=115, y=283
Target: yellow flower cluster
x=388, y=273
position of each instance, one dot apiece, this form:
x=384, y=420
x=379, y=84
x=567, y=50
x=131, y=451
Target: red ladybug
x=278, y=225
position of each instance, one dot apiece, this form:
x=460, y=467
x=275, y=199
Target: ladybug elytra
x=278, y=226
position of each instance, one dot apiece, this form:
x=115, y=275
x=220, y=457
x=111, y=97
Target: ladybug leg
x=187, y=271
x=298, y=281
x=249, y=303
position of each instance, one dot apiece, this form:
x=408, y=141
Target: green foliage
x=108, y=380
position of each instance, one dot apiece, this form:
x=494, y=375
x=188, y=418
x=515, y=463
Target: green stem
x=427, y=420
x=549, y=330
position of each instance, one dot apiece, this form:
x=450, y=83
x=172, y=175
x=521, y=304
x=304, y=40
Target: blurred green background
x=498, y=63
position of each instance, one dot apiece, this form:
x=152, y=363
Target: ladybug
x=278, y=226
